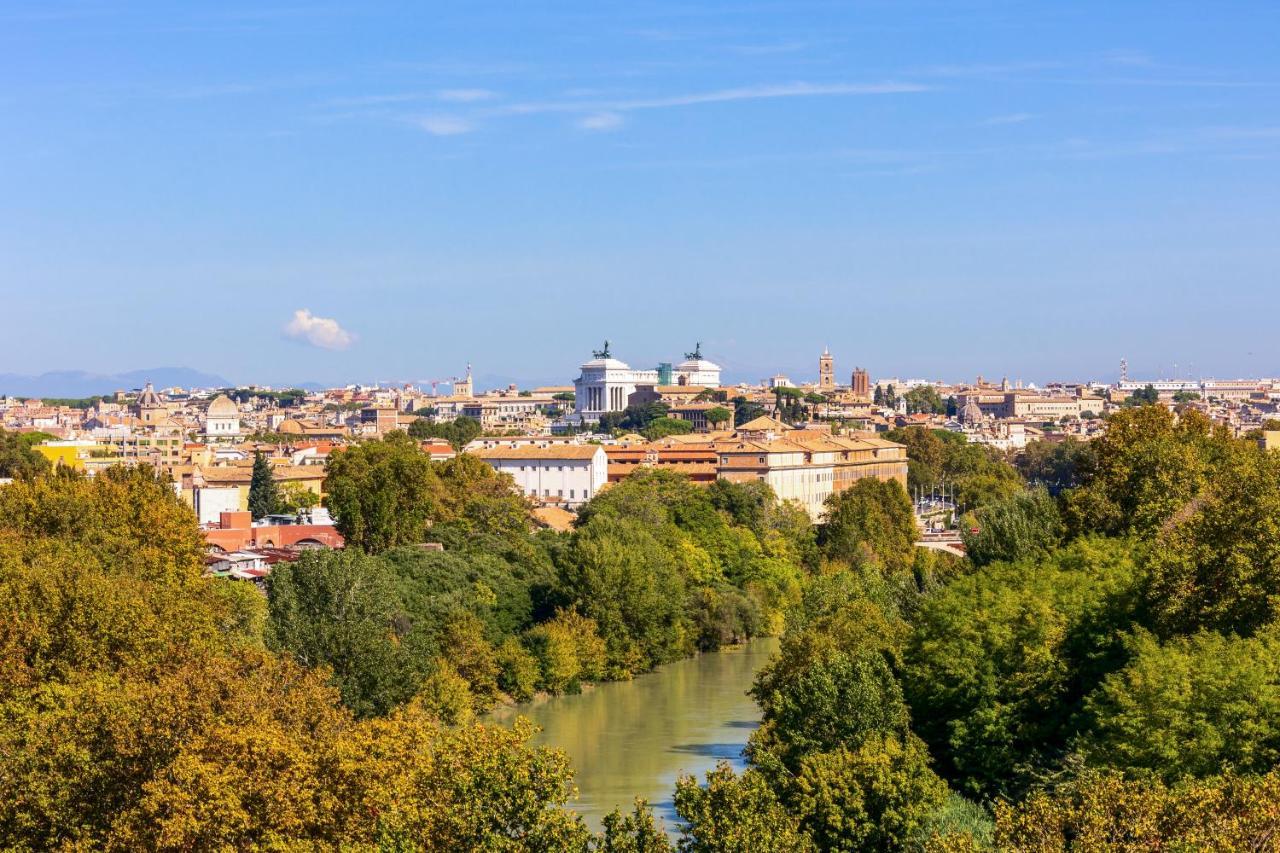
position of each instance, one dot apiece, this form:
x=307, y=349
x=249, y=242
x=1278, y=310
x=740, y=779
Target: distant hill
x=81, y=383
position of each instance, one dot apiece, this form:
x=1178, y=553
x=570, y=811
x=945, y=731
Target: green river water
x=631, y=739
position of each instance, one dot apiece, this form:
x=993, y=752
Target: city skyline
x=340, y=193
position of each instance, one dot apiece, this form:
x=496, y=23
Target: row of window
x=546, y=493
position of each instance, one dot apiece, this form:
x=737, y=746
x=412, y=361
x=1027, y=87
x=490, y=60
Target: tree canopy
x=18, y=459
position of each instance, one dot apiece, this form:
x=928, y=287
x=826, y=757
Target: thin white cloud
x=323, y=332
x=466, y=96
x=445, y=125
x=601, y=122
x=1011, y=118
x=745, y=93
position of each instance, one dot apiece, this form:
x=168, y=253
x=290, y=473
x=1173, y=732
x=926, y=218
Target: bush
x=518, y=671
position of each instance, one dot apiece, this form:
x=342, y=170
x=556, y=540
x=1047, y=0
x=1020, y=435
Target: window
x=571, y=494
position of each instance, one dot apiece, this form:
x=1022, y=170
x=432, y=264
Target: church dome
x=149, y=399
x=223, y=407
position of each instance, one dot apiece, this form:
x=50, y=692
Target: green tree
x=744, y=411
x=338, y=609
x=925, y=454
x=434, y=586
x=789, y=403
x=18, y=459
x=1145, y=396
x=295, y=497
x=459, y=432
x=382, y=493
x=977, y=473
x=629, y=583
x=1025, y=525
x=139, y=715
x=719, y=416
x=569, y=650
x=1190, y=707
x=1148, y=466
x=735, y=814
x=1000, y=660
x=876, y=796
x=462, y=643
x=1215, y=563
x=821, y=695
x=264, y=496
x=924, y=399
x=633, y=833
x=518, y=672
x=871, y=521
x=1103, y=811
x=663, y=427
x=1057, y=465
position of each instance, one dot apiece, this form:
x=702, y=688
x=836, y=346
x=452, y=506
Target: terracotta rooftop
x=571, y=451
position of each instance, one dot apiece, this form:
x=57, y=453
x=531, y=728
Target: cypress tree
x=264, y=497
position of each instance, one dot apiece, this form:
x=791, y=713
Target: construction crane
x=448, y=380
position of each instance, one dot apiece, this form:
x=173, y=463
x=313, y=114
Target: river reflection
x=632, y=739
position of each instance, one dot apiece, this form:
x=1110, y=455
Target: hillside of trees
x=1101, y=673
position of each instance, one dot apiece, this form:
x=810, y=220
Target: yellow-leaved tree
x=139, y=708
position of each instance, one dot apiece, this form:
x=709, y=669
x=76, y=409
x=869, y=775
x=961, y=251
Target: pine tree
x=264, y=497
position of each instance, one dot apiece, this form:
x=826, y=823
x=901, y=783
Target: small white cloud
x=323, y=332
x=445, y=125
x=601, y=121
x=466, y=96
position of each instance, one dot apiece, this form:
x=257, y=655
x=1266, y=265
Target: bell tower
x=826, y=371
x=465, y=388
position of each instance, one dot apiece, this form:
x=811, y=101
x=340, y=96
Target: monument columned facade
x=605, y=384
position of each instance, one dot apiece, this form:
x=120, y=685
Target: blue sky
x=930, y=188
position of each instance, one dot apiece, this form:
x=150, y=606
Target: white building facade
x=567, y=475
x=605, y=384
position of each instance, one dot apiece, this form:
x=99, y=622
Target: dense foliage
x=459, y=432
x=17, y=458
x=139, y=711
x=1101, y=672
x=657, y=569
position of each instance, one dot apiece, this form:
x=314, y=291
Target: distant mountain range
x=82, y=383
